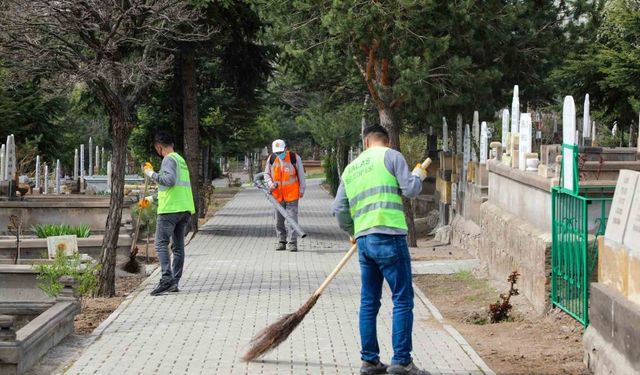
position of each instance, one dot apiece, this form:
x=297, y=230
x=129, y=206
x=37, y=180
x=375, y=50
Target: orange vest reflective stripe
x=283, y=172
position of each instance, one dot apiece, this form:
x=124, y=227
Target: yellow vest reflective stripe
x=373, y=192
x=179, y=197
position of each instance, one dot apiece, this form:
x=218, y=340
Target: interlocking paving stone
x=234, y=284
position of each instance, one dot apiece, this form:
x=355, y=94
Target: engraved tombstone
x=524, y=145
x=621, y=205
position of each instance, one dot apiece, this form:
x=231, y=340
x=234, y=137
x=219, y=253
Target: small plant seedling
x=500, y=311
x=85, y=275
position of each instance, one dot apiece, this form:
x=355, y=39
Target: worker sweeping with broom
x=175, y=207
x=368, y=206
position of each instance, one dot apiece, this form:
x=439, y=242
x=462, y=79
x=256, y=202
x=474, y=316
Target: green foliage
x=84, y=274
x=332, y=179
x=607, y=67
x=413, y=148
x=148, y=217
x=50, y=230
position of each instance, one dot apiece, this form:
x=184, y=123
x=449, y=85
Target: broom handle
x=137, y=228
x=333, y=273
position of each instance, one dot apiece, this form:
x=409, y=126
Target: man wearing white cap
x=284, y=174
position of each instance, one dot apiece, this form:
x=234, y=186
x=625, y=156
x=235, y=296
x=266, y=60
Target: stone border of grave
x=32, y=249
x=19, y=350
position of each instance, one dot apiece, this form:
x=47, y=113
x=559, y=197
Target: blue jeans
x=171, y=227
x=386, y=257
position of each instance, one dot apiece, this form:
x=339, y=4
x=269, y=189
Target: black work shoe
x=409, y=369
x=369, y=368
x=293, y=246
x=281, y=246
x=173, y=289
x=163, y=287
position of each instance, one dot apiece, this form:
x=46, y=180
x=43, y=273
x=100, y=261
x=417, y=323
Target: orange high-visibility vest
x=284, y=173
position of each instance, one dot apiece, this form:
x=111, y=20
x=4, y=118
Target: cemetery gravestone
x=10, y=159
x=568, y=138
x=621, y=206
x=586, y=119
x=524, y=145
x=483, y=143
x=505, y=127
x=445, y=135
x=515, y=111
x=476, y=136
x=459, y=134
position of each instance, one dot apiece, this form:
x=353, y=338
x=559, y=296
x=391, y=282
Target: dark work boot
x=369, y=368
x=281, y=246
x=293, y=246
x=410, y=369
x=163, y=287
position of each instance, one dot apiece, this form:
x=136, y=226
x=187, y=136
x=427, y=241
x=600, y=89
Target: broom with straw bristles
x=275, y=334
x=132, y=265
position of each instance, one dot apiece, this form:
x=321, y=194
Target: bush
x=331, y=173
x=148, y=216
x=85, y=275
x=50, y=230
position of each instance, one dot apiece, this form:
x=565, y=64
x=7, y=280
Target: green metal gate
x=579, y=217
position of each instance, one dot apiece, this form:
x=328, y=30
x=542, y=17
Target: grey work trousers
x=171, y=227
x=281, y=229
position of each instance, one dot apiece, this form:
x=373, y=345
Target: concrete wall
x=611, y=342
x=36, y=248
x=509, y=244
x=18, y=283
x=520, y=193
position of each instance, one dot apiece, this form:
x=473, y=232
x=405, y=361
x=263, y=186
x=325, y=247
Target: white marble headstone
x=90, y=166
x=483, y=142
x=631, y=237
x=515, y=111
x=505, y=127
x=97, y=161
x=37, y=172
x=476, y=136
x=76, y=163
x=568, y=138
x=2, y=166
x=586, y=119
x=459, y=134
x=524, y=145
x=621, y=205
x=467, y=145
x=109, y=175
x=10, y=158
x=102, y=158
x=445, y=135
x=58, y=176
x=46, y=179
x=82, y=161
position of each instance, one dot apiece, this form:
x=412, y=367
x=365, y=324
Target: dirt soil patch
x=529, y=344
x=429, y=249
x=98, y=309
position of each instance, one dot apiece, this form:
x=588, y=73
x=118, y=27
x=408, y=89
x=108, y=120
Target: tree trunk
x=107, y=278
x=192, y=151
x=388, y=121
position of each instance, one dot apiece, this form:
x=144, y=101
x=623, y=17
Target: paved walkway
x=235, y=284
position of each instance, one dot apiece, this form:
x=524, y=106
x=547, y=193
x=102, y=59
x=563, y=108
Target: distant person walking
x=284, y=175
x=175, y=207
x=368, y=206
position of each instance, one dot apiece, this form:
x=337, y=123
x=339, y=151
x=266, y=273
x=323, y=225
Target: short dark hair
x=376, y=131
x=164, y=138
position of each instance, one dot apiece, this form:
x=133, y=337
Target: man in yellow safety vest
x=175, y=207
x=368, y=207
